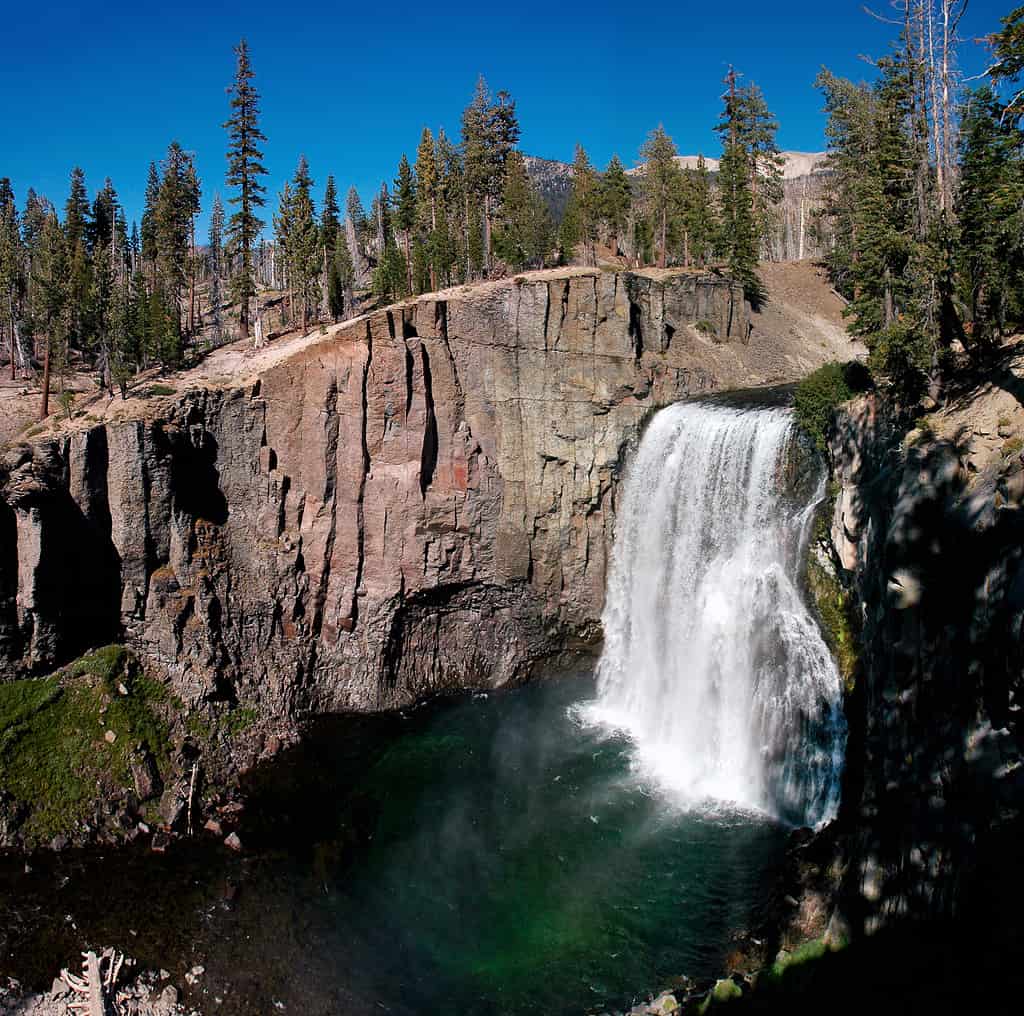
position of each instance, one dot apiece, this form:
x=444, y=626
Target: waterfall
x=713, y=664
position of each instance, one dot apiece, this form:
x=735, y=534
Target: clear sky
x=108, y=86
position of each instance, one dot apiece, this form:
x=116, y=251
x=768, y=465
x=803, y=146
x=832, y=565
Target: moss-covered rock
x=71, y=741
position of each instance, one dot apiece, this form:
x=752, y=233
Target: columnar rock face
x=422, y=499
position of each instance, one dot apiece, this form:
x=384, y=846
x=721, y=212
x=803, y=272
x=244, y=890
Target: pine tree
x=194, y=195
x=989, y=209
x=356, y=215
x=215, y=267
x=102, y=226
x=341, y=280
x=450, y=248
x=389, y=277
x=520, y=237
x=330, y=237
x=405, y=211
x=245, y=167
x=659, y=183
x=283, y=240
x=615, y=202
x=889, y=271
x=489, y=132
x=584, y=208
x=148, y=231
x=700, y=222
x=11, y=269
x=176, y=206
x=739, y=231
x=757, y=128
x=76, y=211
x=107, y=245
x=1008, y=49
x=304, y=258
x=76, y=229
x=426, y=199
x=52, y=282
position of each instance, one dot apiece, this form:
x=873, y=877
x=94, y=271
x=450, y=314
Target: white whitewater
x=712, y=663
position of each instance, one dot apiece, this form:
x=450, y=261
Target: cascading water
x=712, y=663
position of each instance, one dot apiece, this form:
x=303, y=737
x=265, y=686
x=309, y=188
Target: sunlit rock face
x=423, y=499
x=930, y=531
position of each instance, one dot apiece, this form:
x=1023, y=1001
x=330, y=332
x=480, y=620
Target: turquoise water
x=485, y=855
x=518, y=865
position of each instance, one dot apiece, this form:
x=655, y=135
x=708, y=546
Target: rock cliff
x=928, y=534
x=417, y=500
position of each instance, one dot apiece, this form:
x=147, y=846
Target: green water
x=489, y=855
x=518, y=866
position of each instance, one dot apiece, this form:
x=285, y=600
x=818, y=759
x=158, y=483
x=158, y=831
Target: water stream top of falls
x=713, y=664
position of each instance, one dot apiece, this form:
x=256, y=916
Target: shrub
x=818, y=395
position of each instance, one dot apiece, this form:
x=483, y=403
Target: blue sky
x=109, y=86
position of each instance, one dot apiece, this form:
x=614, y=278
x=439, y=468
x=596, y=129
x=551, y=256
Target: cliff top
x=802, y=313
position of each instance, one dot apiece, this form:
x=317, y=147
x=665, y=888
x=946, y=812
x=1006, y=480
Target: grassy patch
x=156, y=390
x=54, y=756
x=820, y=393
x=1012, y=447
x=239, y=720
x=706, y=327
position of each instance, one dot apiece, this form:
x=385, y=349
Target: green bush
x=818, y=395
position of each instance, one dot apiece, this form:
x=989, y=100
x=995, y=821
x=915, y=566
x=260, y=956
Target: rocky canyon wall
x=418, y=500
x=928, y=533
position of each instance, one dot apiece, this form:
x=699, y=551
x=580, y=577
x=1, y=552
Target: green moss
x=789, y=961
x=239, y=720
x=724, y=991
x=54, y=757
x=198, y=727
x=1012, y=447
x=820, y=393
x=156, y=390
x=837, y=616
x=706, y=327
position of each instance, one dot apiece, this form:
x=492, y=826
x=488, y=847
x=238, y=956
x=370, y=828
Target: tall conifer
x=245, y=167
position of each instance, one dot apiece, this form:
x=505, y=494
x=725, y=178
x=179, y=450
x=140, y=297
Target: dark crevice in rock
x=669, y=335
x=360, y=509
x=547, y=313
x=408, y=325
x=11, y=646
x=565, y=311
x=195, y=481
x=331, y=425
x=636, y=330
x=441, y=319
x=428, y=456
x=409, y=364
